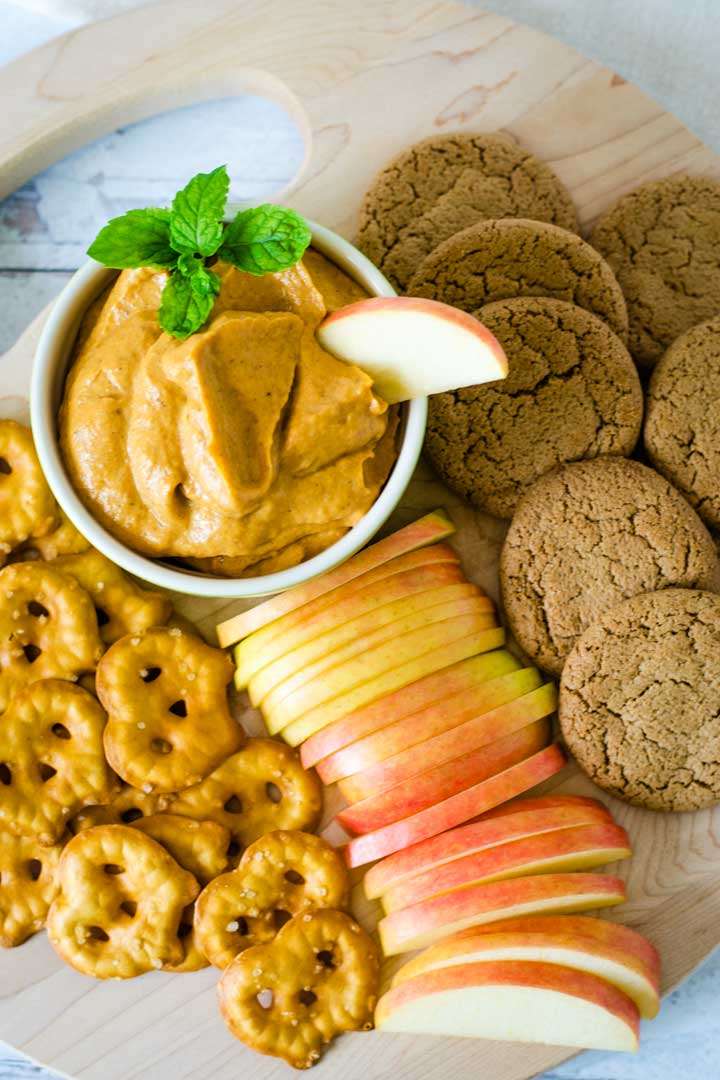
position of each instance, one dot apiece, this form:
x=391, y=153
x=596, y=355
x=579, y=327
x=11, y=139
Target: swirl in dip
x=243, y=450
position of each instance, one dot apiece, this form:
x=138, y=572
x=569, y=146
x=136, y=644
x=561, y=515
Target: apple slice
x=514, y=1001
x=457, y=809
x=422, y=924
x=435, y=688
x=503, y=825
x=384, y=744
x=584, y=847
x=473, y=735
x=436, y=658
x=612, y=952
x=415, y=571
x=361, y=631
x=426, y=530
x=441, y=782
x=412, y=347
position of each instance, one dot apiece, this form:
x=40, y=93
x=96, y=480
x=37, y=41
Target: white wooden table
x=44, y=230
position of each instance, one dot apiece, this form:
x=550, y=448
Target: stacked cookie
x=608, y=572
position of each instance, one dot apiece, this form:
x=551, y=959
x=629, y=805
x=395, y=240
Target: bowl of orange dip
x=239, y=462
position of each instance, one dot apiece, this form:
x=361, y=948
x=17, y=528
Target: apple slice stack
x=389, y=672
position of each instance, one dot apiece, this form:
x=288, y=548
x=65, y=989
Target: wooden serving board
x=362, y=81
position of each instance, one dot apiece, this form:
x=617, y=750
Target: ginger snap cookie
x=682, y=426
x=499, y=260
x=588, y=536
x=663, y=242
x=572, y=392
x=443, y=184
x=640, y=700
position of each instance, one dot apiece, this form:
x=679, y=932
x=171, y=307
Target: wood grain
x=361, y=82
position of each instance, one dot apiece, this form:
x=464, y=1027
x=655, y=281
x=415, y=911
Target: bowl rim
x=50, y=362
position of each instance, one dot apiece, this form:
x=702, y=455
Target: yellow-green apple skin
x=457, y=809
x=584, y=847
x=608, y=950
x=426, y=692
x=426, y=530
x=513, y=1001
x=449, y=652
x=484, y=730
x=417, y=571
x=518, y=820
x=440, y=782
x=423, y=924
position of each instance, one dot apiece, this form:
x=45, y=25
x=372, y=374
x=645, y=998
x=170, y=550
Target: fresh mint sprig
x=261, y=240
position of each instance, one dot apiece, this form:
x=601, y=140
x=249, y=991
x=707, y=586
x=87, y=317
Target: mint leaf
x=265, y=239
x=197, y=212
x=185, y=305
x=137, y=238
x=204, y=282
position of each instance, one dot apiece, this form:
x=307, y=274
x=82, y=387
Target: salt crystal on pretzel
x=48, y=628
x=261, y=788
x=28, y=886
x=315, y=980
x=27, y=507
x=52, y=762
x=122, y=898
x=122, y=606
x=282, y=874
x=188, y=727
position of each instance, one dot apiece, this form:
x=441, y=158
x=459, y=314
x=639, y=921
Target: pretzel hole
x=5, y=467
x=233, y=805
x=34, y=869
x=31, y=653
x=294, y=878
x=180, y=495
x=129, y=907
x=150, y=674
x=96, y=933
x=102, y=616
x=37, y=609
x=5, y=774
x=46, y=772
x=161, y=746
x=265, y=999
x=280, y=917
x=233, y=849
x=239, y=926
x=130, y=815
x=273, y=792
x=60, y=731
x=178, y=708
x=306, y=997
x=326, y=958
x=113, y=869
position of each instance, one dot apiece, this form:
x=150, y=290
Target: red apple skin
x=426, y=530
x=473, y=735
x=423, y=924
x=439, y=686
x=524, y=818
x=533, y=855
x=444, y=780
x=553, y=978
x=457, y=809
x=381, y=746
x=592, y=936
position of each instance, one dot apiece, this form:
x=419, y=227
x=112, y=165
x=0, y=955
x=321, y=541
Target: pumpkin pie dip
x=246, y=448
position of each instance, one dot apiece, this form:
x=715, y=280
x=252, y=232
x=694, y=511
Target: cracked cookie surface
x=682, y=428
x=443, y=184
x=499, y=260
x=640, y=700
x=588, y=536
x=663, y=242
x=572, y=392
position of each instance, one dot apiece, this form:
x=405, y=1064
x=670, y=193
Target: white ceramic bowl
x=48, y=378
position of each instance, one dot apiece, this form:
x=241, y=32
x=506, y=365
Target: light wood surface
x=361, y=82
